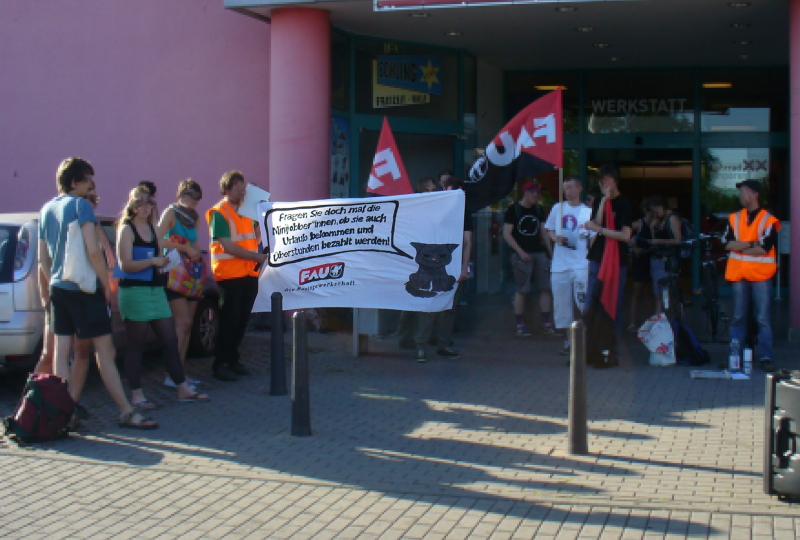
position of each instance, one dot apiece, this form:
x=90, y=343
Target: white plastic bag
x=77, y=268
x=656, y=334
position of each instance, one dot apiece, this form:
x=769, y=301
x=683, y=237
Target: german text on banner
x=401, y=252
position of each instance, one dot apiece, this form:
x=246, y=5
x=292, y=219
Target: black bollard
x=578, y=444
x=301, y=399
x=277, y=383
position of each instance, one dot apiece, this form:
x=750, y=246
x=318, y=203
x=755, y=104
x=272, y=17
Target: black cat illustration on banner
x=431, y=278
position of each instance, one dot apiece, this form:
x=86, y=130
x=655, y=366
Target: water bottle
x=735, y=359
x=747, y=362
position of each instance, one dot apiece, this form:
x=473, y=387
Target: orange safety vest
x=227, y=266
x=751, y=267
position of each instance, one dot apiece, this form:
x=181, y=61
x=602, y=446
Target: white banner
x=401, y=252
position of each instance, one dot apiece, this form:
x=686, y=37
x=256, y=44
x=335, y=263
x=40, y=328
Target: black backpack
x=688, y=351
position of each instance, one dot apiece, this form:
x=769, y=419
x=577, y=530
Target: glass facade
x=639, y=102
x=745, y=100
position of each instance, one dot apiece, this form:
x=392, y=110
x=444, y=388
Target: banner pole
x=560, y=200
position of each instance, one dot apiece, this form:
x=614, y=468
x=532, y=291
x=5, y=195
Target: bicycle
x=709, y=287
x=672, y=296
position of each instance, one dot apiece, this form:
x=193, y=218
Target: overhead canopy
x=640, y=33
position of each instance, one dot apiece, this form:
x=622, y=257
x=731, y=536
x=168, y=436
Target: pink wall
x=794, y=160
x=145, y=90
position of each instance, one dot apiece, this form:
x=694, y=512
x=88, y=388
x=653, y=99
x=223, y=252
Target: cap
x=755, y=185
x=531, y=185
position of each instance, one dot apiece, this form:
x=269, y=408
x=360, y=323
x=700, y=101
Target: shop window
x=745, y=100
x=525, y=88
x=639, y=101
x=723, y=168
x=340, y=71
x=434, y=97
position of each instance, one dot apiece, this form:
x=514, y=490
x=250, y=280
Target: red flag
x=531, y=144
x=609, y=268
x=388, y=175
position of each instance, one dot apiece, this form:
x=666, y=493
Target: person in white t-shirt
x=569, y=271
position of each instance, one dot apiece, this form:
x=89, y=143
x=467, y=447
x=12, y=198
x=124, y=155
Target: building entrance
x=648, y=172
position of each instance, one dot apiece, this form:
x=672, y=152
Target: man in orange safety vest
x=751, y=239
x=235, y=261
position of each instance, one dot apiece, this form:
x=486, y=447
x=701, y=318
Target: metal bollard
x=277, y=383
x=301, y=399
x=578, y=444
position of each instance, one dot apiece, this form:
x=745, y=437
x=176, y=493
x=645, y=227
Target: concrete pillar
x=300, y=105
x=794, y=160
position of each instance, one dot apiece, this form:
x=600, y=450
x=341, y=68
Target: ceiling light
x=549, y=88
x=742, y=42
x=616, y=58
x=601, y=45
x=585, y=28
x=740, y=25
x=566, y=9
x=744, y=57
x=452, y=33
x=418, y=15
x=738, y=4
x=717, y=85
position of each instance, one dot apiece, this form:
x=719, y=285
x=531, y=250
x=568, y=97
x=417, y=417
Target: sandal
x=144, y=405
x=127, y=421
x=194, y=397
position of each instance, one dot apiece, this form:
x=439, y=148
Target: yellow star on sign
x=429, y=74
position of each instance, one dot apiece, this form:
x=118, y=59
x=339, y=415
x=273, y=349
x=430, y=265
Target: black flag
x=531, y=144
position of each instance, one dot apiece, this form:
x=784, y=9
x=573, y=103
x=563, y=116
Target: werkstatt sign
x=388, y=96
x=416, y=73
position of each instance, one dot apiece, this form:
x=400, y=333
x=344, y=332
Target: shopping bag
x=656, y=334
x=77, y=267
x=187, y=277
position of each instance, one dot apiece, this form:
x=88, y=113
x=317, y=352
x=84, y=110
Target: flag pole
x=560, y=200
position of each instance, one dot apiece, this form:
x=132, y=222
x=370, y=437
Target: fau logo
x=323, y=271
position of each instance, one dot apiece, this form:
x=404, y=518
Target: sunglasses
x=141, y=203
x=192, y=195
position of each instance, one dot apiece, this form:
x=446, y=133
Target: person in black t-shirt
x=621, y=232
x=530, y=257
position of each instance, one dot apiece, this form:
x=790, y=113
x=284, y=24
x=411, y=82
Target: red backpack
x=44, y=412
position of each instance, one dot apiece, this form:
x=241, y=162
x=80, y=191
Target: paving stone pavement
x=473, y=448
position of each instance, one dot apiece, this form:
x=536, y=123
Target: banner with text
x=401, y=252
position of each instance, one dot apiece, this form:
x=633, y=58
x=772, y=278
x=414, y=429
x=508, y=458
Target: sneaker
x=447, y=352
x=549, y=329
x=421, y=356
x=522, y=331
x=767, y=365
x=565, y=350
